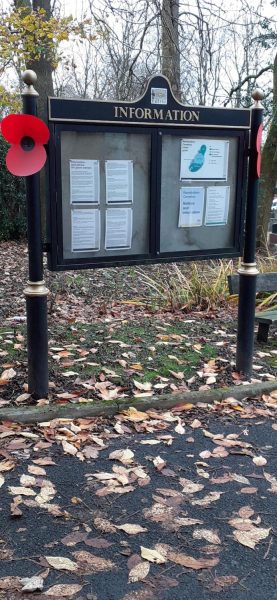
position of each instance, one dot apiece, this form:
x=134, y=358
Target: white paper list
x=204, y=159
x=85, y=229
x=217, y=206
x=191, y=207
x=84, y=181
x=119, y=181
x=119, y=223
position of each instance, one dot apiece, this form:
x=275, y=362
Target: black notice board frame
x=239, y=124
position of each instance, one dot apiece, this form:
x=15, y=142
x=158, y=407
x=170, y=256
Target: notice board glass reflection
x=198, y=235
x=103, y=146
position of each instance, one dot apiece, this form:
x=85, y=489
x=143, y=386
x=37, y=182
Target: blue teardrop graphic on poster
x=198, y=161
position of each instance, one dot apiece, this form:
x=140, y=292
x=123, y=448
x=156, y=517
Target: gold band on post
x=36, y=288
x=248, y=269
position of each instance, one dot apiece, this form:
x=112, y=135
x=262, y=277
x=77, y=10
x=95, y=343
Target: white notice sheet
x=191, y=207
x=217, y=206
x=204, y=160
x=119, y=181
x=84, y=181
x=85, y=229
x=118, y=228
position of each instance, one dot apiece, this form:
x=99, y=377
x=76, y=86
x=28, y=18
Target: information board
x=144, y=181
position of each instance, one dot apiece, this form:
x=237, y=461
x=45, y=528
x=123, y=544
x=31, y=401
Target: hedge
x=13, y=216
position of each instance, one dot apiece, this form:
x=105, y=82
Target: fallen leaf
x=27, y=480
x=10, y=583
x=211, y=380
x=139, y=572
x=189, y=487
x=36, y=470
x=225, y=580
x=252, y=537
x=206, y=534
x=31, y=584
x=69, y=448
x=178, y=375
x=142, y=386
x=132, y=529
x=205, y=454
x=44, y=461
x=152, y=555
x=89, y=563
x=211, y=497
x=241, y=524
x=125, y=456
x=104, y=525
x=15, y=511
x=245, y=512
x=21, y=491
x=8, y=375
x=22, y=398
x=150, y=442
x=239, y=478
x=74, y=538
x=134, y=415
x=179, y=429
x=192, y=563
x=90, y=452
x=63, y=590
x=159, y=463
x=46, y=494
x=272, y=480
x=195, y=424
x=259, y=461
x=249, y=490
x=181, y=406
x=61, y=563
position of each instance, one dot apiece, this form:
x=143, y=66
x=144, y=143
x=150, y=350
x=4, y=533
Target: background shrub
x=13, y=215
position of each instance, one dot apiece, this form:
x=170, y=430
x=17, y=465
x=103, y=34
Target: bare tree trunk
x=44, y=85
x=268, y=171
x=170, y=45
x=43, y=66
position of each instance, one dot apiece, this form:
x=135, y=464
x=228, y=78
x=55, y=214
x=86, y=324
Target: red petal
x=22, y=163
x=258, y=146
x=15, y=127
x=259, y=138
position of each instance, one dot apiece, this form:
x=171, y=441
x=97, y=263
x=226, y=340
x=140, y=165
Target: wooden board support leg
x=263, y=332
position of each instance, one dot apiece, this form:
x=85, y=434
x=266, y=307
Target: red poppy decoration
x=27, y=134
x=258, y=147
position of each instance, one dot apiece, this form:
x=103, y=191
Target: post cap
x=257, y=95
x=30, y=78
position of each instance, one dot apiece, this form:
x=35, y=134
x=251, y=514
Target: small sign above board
x=146, y=181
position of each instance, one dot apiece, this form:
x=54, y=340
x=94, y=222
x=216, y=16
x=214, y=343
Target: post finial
x=257, y=95
x=30, y=78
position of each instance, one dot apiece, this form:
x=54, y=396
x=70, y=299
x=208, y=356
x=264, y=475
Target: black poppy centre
x=27, y=143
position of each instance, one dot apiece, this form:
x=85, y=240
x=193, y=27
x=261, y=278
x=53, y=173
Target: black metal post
x=248, y=271
x=35, y=292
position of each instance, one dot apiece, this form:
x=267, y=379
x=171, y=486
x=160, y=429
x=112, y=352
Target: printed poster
x=85, y=230
x=84, y=181
x=204, y=159
x=191, y=207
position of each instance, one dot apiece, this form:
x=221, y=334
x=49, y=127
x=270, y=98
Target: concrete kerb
x=39, y=414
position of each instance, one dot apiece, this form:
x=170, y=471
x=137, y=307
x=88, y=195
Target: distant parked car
x=274, y=204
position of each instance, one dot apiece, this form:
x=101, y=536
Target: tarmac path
x=196, y=512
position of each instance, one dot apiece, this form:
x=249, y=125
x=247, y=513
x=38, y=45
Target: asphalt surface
x=37, y=533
